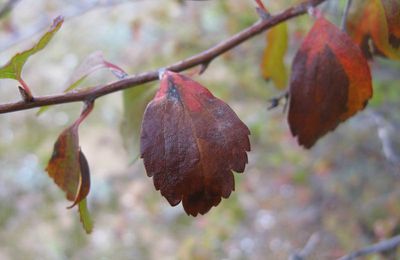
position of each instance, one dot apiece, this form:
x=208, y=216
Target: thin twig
x=308, y=248
x=379, y=247
x=345, y=15
x=386, y=132
x=135, y=80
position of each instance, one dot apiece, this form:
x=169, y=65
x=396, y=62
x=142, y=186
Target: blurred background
x=343, y=194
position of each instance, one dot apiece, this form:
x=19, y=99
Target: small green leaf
x=13, y=68
x=85, y=217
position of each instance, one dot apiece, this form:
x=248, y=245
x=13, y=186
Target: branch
x=135, y=80
x=308, y=248
x=382, y=246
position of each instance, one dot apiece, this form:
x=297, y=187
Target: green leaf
x=13, y=68
x=42, y=110
x=85, y=217
x=134, y=102
x=272, y=64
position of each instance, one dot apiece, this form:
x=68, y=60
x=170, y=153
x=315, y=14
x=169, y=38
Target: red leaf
x=330, y=82
x=190, y=143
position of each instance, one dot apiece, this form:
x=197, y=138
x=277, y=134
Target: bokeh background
x=344, y=193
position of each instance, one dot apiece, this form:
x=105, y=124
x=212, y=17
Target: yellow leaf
x=272, y=64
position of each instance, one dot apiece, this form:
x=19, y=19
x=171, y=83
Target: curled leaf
x=68, y=166
x=330, y=82
x=190, y=143
x=84, y=180
x=272, y=64
x=64, y=166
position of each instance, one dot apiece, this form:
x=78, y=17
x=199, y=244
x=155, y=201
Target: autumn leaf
x=13, y=68
x=330, y=82
x=68, y=166
x=378, y=20
x=190, y=143
x=272, y=64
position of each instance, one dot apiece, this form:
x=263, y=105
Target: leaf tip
x=57, y=21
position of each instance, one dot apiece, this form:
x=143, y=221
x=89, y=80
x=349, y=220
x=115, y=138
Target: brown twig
x=135, y=80
x=379, y=247
x=308, y=248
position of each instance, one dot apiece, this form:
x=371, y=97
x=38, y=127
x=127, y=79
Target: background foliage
x=345, y=188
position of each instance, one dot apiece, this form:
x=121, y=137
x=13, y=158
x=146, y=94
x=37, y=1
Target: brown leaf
x=84, y=180
x=64, y=166
x=330, y=82
x=190, y=143
x=68, y=166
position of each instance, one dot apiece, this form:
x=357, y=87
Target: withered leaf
x=190, y=143
x=330, y=82
x=68, y=166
